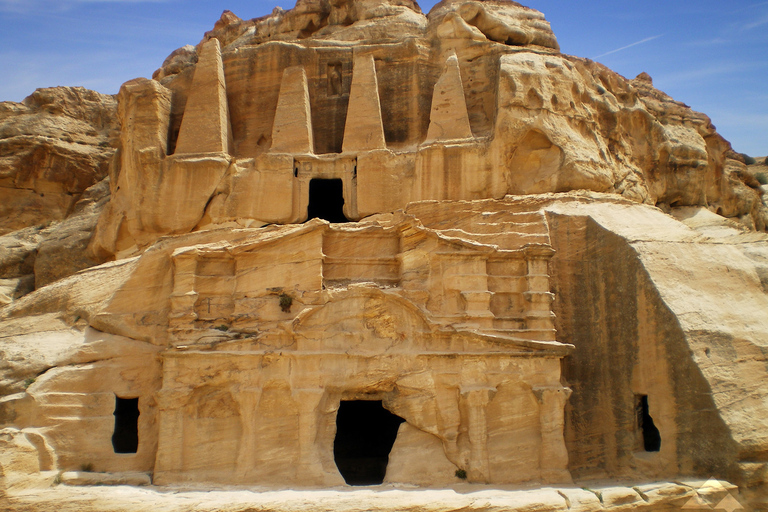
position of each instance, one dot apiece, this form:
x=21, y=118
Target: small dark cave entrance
x=326, y=200
x=126, y=436
x=365, y=433
x=651, y=435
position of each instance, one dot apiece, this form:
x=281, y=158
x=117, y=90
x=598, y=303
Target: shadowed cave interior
x=651, y=435
x=326, y=200
x=126, y=436
x=365, y=434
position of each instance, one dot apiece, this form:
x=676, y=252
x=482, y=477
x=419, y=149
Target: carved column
x=475, y=403
x=205, y=127
x=248, y=400
x=364, y=129
x=448, y=119
x=292, y=128
x=538, y=299
x=169, y=461
x=310, y=469
x=553, y=458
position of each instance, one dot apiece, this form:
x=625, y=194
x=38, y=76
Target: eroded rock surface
x=53, y=146
x=55, y=150
x=530, y=120
x=33, y=257
x=443, y=216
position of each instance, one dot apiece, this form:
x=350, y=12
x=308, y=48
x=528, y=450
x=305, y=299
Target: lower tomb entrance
x=365, y=434
x=326, y=200
x=125, y=438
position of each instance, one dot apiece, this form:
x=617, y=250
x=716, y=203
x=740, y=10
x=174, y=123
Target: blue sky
x=710, y=54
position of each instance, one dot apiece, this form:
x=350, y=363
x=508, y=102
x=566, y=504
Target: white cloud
x=707, y=72
x=757, y=23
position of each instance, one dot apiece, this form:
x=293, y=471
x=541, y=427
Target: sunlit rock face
x=472, y=101
x=436, y=232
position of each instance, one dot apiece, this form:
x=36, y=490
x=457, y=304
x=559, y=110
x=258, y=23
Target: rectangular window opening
x=125, y=438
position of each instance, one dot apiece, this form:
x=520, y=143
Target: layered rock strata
x=509, y=114
x=55, y=150
x=443, y=216
x=53, y=146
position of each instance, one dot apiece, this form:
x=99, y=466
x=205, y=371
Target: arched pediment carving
x=365, y=321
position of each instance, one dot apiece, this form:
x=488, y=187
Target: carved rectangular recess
x=361, y=256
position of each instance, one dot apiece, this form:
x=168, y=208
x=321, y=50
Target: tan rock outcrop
x=499, y=21
x=33, y=257
x=596, y=496
x=525, y=118
x=55, y=149
x=356, y=244
x=223, y=308
x=53, y=146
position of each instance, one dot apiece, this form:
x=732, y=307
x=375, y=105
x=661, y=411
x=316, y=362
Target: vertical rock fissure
x=651, y=435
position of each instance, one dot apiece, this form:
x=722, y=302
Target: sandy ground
x=588, y=497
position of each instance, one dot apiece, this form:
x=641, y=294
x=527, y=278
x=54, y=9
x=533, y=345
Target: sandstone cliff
x=542, y=270
x=545, y=122
x=53, y=146
x=55, y=149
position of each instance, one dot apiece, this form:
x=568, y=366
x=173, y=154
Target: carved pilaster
x=553, y=458
x=475, y=402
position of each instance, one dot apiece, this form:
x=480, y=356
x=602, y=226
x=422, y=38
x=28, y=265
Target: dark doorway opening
x=651, y=435
x=365, y=433
x=326, y=200
x=126, y=436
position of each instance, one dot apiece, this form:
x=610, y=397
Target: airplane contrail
x=630, y=45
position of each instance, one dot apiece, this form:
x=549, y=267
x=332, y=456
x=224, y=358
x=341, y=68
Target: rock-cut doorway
x=365, y=434
x=326, y=200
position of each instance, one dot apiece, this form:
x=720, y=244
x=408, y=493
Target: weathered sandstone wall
x=55, y=149
x=473, y=101
x=509, y=286
x=53, y=146
x=656, y=309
